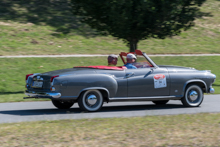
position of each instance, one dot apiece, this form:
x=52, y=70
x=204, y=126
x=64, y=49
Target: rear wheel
x=62, y=104
x=193, y=96
x=91, y=100
x=162, y=102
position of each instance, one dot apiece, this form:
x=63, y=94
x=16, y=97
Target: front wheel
x=62, y=104
x=91, y=100
x=193, y=96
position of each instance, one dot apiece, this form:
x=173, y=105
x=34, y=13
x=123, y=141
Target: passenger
x=112, y=60
x=131, y=58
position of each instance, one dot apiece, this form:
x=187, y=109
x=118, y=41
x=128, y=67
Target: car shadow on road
x=121, y=108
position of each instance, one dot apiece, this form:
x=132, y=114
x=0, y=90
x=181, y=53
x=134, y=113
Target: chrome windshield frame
x=149, y=59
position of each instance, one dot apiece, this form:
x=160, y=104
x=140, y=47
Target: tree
x=135, y=20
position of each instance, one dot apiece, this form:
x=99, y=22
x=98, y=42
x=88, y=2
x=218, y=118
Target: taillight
x=52, y=89
x=51, y=79
x=28, y=76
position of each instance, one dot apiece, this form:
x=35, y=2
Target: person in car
x=112, y=60
x=131, y=58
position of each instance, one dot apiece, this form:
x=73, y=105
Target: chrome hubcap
x=193, y=95
x=91, y=99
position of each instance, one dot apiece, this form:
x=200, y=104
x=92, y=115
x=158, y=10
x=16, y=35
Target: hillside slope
x=48, y=27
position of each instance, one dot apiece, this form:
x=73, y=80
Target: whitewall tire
x=193, y=96
x=90, y=100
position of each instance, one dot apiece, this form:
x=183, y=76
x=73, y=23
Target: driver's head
x=112, y=59
x=131, y=58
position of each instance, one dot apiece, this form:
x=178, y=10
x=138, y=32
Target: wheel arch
x=104, y=92
x=200, y=83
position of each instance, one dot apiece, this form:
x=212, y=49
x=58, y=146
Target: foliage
x=135, y=20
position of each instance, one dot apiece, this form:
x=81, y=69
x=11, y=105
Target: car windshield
x=142, y=62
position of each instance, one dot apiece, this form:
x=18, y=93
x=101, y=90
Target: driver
x=112, y=60
x=131, y=58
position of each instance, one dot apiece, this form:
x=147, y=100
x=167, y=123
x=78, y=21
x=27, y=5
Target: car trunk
x=42, y=82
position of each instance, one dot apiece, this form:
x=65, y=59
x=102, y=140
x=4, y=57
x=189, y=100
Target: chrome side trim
x=144, y=98
x=42, y=94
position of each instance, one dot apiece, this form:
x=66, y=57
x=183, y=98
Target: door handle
x=128, y=75
x=150, y=72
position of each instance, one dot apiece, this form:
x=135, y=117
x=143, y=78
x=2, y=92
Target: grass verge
x=178, y=130
x=26, y=32
x=13, y=71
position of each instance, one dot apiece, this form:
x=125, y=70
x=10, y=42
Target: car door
x=146, y=82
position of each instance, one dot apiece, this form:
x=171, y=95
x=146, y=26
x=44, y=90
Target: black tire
x=193, y=96
x=62, y=104
x=161, y=102
x=90, y=100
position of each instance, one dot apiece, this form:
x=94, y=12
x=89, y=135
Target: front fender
x=194, y=81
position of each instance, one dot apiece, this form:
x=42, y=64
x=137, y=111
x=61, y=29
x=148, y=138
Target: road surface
x=36, y=111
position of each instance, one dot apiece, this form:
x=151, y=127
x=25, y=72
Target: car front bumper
x=33, y=94
x=211, y=90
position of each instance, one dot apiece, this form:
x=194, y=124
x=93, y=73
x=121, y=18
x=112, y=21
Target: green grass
x=13, y=70
x=178, y=130
x=23, y=33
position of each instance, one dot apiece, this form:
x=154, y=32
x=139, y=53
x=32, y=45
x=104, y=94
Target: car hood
x=177, y=68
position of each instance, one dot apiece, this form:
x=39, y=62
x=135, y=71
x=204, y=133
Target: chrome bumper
x=33, y=94
x=211, y=90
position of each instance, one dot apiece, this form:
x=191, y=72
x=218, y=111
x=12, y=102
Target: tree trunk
x=133, y=45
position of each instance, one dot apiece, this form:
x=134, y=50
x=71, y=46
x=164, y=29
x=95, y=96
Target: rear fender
x=74, y=85
x=102, y=82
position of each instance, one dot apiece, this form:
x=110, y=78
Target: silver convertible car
x=91, y=86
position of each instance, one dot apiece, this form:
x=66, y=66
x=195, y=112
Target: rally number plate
x=37, y=84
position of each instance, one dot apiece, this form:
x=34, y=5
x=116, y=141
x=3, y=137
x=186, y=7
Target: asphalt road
x=35, y=111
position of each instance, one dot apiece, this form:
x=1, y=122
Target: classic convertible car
x=91, y=86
